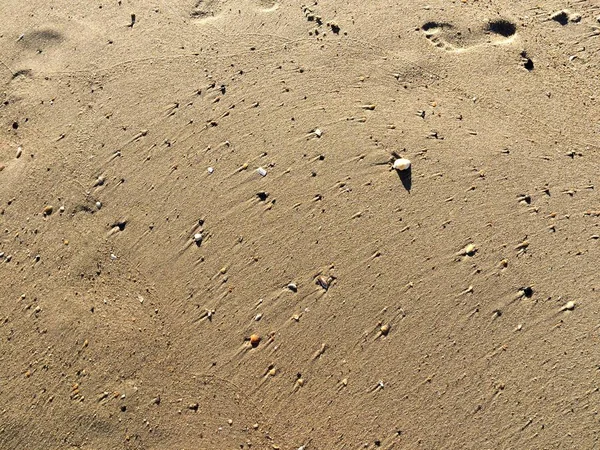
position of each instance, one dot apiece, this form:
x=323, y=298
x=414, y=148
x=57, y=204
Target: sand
x=453, y=305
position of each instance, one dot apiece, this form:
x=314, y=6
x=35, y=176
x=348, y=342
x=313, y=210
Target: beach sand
x=178, y=175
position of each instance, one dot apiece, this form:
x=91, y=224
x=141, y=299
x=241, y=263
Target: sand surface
x=455, y=305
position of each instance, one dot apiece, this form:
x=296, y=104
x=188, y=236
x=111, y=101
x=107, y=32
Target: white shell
x=210, y=170
x=198, y=237
x=569, y=306
x=262, y=172
x=401, y=164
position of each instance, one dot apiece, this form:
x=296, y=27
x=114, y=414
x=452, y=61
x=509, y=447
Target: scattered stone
x=262, y=172
x=19, y=152
x=194, y=407
x=98, y=205
x=198, y=238
x=48, y=210
x=527, y=291
x=254, y=340
x=385, y=329
x=258, y=317
x=210, y=170
x=292, y=287
x=318, y=133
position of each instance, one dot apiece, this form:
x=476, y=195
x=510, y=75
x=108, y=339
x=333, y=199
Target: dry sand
x=119, y=331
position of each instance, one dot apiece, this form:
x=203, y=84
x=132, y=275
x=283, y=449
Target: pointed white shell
x=401, y=164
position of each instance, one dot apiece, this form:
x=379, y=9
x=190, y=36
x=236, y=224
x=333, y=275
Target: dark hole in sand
x=433, y=25
x=502, y=27
x=561, y=17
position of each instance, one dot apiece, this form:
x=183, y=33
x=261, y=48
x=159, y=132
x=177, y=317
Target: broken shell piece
x=323, y=282
x=569, y=306
x=401, y=164
x=262, y=172
x=469, y=250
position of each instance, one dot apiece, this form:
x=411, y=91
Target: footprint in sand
x=205, y=10
x=452, y=38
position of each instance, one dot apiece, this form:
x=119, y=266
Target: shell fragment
x=401, y=164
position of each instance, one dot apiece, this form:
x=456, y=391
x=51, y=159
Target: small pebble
x=401, y=164
x=258, y=317
x=385, y=329
x=98, y=205
x=198, y=238
x=210, y=170
x=262, y=172
x=48, y=210
x=318, y=133
x=19, y=152
x=292, y=287
x=61, y=209
x=254, y=340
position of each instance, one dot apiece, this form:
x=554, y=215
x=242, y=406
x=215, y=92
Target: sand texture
x=204, y=245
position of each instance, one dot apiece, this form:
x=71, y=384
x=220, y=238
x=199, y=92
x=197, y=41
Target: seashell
x=401, y=164
x=323, y=282
x=569, y=306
